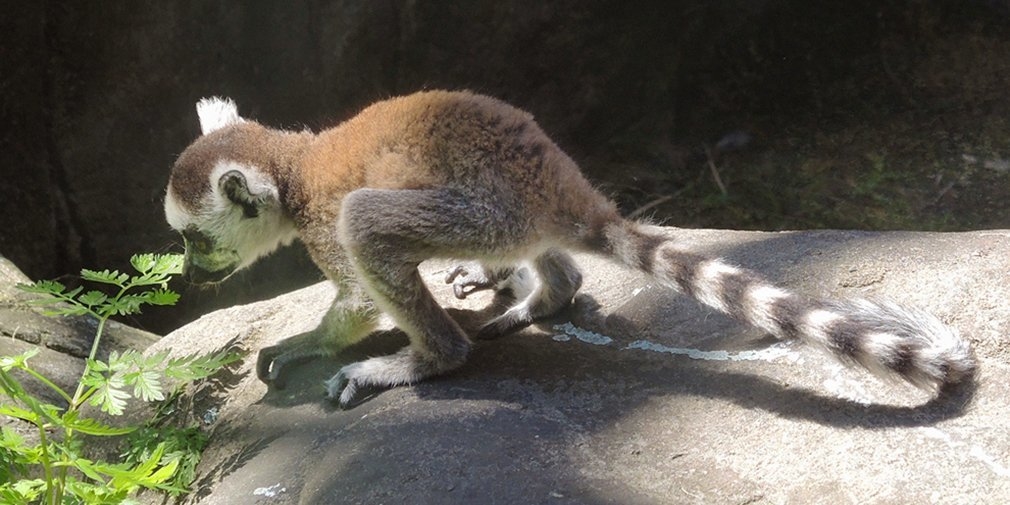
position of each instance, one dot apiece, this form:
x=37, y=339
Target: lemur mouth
x=196, y=275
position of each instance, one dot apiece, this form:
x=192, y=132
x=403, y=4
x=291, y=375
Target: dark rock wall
x=98, y=99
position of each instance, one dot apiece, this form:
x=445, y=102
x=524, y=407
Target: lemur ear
x=235, y=186
x=216, y=113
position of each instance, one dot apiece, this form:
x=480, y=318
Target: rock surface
x=633, y=396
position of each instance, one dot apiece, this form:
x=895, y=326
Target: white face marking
x=258, y=183
x=216, y=113
x=177, y=218
x=220, y=237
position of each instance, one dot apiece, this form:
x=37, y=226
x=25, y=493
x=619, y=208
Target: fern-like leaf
x=143, y=263
x=193, y=367
x=162, y=297
x=42, y=287
x=72, y=420
x=92, y=298
x=105, y=276
x=10, y=439
x=109, y=395
x=10, y=385
x=18, y=360
x=146, y=385
x=19, y=413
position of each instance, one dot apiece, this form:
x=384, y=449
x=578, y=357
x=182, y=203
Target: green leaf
x=92, y=426
x=8, y=495
x=87, y=467
x=18, y=360
x=153, y=361
x=162, y=297
x=24, y=491
x=126, y=305
x=105, y=276
x=146, y=385
x=121, y=362
x=164, y=473
x=192, y=367
x=74, y=310
x=92, y=298
x=11, y=386
x=110, y=395
x=144, y=263
x=42, y=287
x=10, y=439
x=168, y=264
x=19, y=413
x=95, y=494
x=147, y=473
x=95, y=365
x=37, y=412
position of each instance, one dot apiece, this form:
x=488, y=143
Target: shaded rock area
x=859, y=112
x=634, y=396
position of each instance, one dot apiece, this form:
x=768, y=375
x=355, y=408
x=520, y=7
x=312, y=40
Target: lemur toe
x=467, y=279
x=265, y=369
x=503, y=325
x=272, y=363
x=350, y=386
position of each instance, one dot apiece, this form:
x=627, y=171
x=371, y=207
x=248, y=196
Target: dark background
x=855, y=114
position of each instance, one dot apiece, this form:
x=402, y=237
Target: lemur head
x=223, y=194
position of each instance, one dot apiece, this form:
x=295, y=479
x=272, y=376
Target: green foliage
x=181, y=446
x=53, y=469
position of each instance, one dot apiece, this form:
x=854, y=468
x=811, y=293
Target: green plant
x=53, y=469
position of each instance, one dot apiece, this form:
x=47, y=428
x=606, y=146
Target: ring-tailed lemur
x=459, y=175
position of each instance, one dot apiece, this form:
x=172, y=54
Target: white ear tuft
x=216, y=113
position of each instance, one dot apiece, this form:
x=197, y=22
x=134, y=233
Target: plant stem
x=91, y=357
x=47, y=466
x=47, y=382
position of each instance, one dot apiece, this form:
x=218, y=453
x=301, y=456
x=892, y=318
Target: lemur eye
x=198, y=240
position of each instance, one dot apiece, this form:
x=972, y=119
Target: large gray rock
x=634, y=396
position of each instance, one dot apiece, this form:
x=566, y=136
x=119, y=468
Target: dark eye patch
x=198, y=240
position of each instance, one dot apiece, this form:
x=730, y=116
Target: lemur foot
x=469, y=278
x=357, y=382
x=510, y=322
x=271, y=362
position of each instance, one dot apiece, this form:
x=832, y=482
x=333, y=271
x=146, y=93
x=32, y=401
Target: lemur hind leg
x=551, y=285
x=387, y=234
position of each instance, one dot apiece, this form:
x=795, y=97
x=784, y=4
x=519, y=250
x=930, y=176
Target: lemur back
x=459, y=175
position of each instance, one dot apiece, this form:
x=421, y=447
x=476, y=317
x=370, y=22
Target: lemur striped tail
x=886, y=339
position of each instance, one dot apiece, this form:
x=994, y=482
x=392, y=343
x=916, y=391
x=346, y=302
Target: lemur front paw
x=271, y=362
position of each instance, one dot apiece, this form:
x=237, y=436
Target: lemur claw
x=468, y=279
x=272, y=362
x=266, y=371
x=345, y=386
